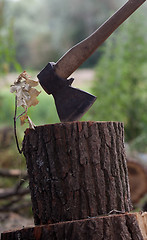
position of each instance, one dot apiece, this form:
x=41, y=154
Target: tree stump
x=76, y=170
x=78, y=176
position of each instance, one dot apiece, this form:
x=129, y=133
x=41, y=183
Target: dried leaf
x=26, y=95
x=25, y=91
x=33, y=101
x=23, y=119
x=12, y=88
x=32, y=83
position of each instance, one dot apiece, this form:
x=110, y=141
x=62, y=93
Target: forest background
x=33, y=33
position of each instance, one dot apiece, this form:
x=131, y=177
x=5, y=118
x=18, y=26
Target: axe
x=71, y=103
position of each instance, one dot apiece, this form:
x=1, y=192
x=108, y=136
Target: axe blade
x=72, y=103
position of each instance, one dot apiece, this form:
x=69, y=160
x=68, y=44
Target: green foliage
x=43, y=113
x=7, y=45
x=121, y=79
x=6, y=108
x=44, y=30
x=140, y=143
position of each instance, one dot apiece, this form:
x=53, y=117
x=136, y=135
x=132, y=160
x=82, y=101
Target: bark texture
x=76, y=170
x=114, y=227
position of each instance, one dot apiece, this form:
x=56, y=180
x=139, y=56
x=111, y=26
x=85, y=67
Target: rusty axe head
x=72, y=103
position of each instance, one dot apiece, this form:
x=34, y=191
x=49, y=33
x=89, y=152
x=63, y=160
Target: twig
x=20, y=183
x=17, y=208
x=11, y=206
x=15, y=132
x=11, y=192
x=115, y=211
x=26, y=109
x=13, y=173
x=20, y=207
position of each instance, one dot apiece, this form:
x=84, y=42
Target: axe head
x=71, y=103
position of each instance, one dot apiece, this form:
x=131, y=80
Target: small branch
x=17, y=190
x=20, y=184
x=22, y=113
x=13, y=173
x=15, y=132
x=8, y=205
x=15, y=206
x=115, y=211
x=6, y=193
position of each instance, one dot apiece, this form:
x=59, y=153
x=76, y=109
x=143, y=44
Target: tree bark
x=76, y=170
x=113, y=227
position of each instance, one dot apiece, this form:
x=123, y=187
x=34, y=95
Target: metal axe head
x=72, y=103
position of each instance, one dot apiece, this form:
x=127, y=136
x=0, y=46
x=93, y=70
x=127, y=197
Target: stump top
x=78, y=123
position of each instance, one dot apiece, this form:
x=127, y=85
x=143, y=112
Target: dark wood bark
x=76, y=170
x=114, y=227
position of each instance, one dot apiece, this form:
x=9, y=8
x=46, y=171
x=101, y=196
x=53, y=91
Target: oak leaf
x=26, y=96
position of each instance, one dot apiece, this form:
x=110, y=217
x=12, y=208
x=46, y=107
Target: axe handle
x=73, y=58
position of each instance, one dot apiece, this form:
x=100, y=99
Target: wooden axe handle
x=73, y=58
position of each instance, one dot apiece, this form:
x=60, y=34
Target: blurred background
x=33, y=33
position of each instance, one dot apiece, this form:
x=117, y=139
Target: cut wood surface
x=112, y=227
x=76, y=170
x=142, y=221
x=137, y=178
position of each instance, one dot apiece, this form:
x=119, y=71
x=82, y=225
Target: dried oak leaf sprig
x=25, y=96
